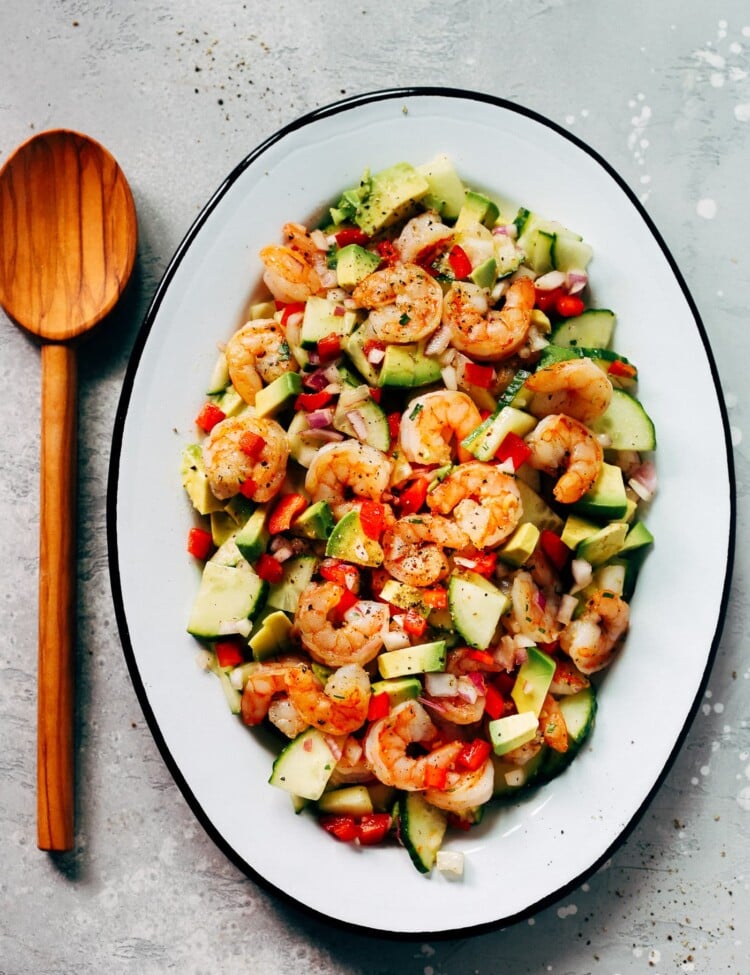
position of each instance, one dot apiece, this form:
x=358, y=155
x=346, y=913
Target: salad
x=419, y=485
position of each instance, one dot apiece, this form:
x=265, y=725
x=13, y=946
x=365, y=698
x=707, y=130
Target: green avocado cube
x=407, y=366
x=315, y=522
x=349, y=542
x=393, y=193
x=520, y=545
x=252, y=538
x=604, y=544
x=421, y=659
x=533, y=681
x=606, y=500
x=576, y=530
x=273, y=636
x=477, y=208
x=195, y=481
x=277, y=394
x=484, y=274
x=446, y=192
x=512, y=731
x=398, y=689
x=353, y=264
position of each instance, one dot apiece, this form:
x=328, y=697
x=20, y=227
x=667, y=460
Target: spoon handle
x=57, y=588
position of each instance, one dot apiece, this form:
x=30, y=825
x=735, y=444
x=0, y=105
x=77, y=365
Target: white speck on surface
x=737, y=74
x=654, y=956
x=706, y=208
x=735, y=47
x=567, y=910
x=711, y=58
x=743, y=799
x=570, y=119
x=716, y=79
x=736, y=435
x=705, y=770
x=742, y=112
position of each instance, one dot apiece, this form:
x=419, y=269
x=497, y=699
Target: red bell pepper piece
x=624, y=369
x=428, y=255
x=478, y=375
x=435, y=777
x=342, y=573
x=484, y=563
x=199, y=543
x=545, y=300
x=372, y=518
x=293, y=308
x=376, y=393
x=379, y=706
x=248, y=488
x=209, y=416
x=568, y=306
x=481, y=657
x=414, y=623
x=513, y=448
x=473, y=754
x=228, y=653
x=413, y=497
x=269, y=568
x=351, y=235
x=329, y=347
x=459, y=262
x=394, y=426
x=312, y=401
x=348, y=599
x=554, y=548
x=387, y=250
x=436, y=598
x=494, y=703
x=373, y=827
x=343, y=827
x=286, y=509
x=252, y=444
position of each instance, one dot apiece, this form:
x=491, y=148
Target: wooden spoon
x=67, y=247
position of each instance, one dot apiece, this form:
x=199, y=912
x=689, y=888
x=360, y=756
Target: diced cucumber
x=626, y=423
x=298, y=571
x=536, y=510
x=219, y=377
x=484, y=441
x=570, y=253
x=476, y=606
x=422, y=829
x=323, y=318
x=515, y=394
x=227, y=594
x=304, y=766
x=371, y=415
x=591, y=329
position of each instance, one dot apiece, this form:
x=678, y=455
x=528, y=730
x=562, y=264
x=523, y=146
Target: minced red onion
x=645, y=475
x=320, y=418
x=339, y=311
x=375, y=356
x=466, y=690
x=315, y=380
x=438, y=341
x=328, y=279
x=322, y=435
x=550, y=281
x=359, y=424
x=505, y=230
x=576, y=281
x=540, y=599
x=440, y=684
x=477, y=679
x=433, y=703
x=334, y=744
x=283, y=553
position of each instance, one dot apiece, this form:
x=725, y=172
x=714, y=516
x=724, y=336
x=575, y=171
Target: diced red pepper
x=252, y=444
x=624, y=369
x=554, y=548
x=376, y=393
x=481, y=657
x=436, y=598
x=545, y=300
x=413, y=497
x=435, y=777
x=484, y=563
x=394, y=425
x=228, y=653
x=428, y=255
x=414, y=623
x=387, y=250
x=248, y=488
x=373, y=827
x=478, y=375
x=269, y=568
x=342, y=573
x=568, y=306
x=293, y=308
x=312, y=401
x=343, y=827
x=286, y=509
x=351, y=235
x=348, y=599
x=473, y=754
x=209, y=416
x=329, y=347
x=372, y=517
x=199, y=543
x=456, y=821
x=373, y=345
x=379, y=706
x=549, y=648
x=494, y=702
x=459, y=262
x=513, y=448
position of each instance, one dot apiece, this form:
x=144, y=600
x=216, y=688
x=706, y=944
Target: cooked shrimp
x=567, y=678
x=413, y=548
x=533, y=613
x=484, y=333
x=340, y=707
x=591, y=640
x=560, y=443
x=347, y=468
x=434, y=424
x=404, y=303
x=552, y=725
x=356, y=640
x=266, y=682
x=229, y=467
x=422, y=234
x=256, y=354
x=352, y=767
x=284, y=716
x=485, y=502
x=464, y=790
x=388, y=747
x=463, y=660
x=291, y=274
x=576, y=387
x=457, y=710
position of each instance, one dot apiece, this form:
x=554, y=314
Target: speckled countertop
x=180, y=92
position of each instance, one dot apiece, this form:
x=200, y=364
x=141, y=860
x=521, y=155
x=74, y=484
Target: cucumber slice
x=304, y=766
x=570, y=253
x=579, y=711
x=422, y=828
x=476, y=606
x=377, y=432
x=626, y=423
x=592, y=329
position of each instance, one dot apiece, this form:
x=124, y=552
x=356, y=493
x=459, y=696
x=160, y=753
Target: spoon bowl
x=68, y=235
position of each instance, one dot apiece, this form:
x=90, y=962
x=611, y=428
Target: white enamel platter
x=528, y=854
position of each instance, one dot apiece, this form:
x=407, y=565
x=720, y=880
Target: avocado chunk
x=476, y=606
x=536, y=510
x=512, y=731
x=298, y=571
x=272, y=637
x=354, y=346
x=324, y=317
x=483, y=442
x=252, y=538
x=407, y=366
x=520, y=545
x=354, y=264
x=349, y=542
x=477, y=208
x=576, y=530
x=304, y=766
x=606, y=499
x=315, y=522
x=398, y=689
x=227, y=594
x=421, y=659
x=195, y=481
x=604, y=544
x=446, y=192
x=223, y=527
x=533, y=681
x=352, y=800
x=393, y=193
x=638, y=537
x=484, y=274
x=405, y=597
x=277, y=394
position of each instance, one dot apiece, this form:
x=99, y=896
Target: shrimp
x=464, y=790
x=533, y=613
x=552, y=725
x=559, y=442
x=230, y=469
x=591, y=640
x=348, y=466
x=457, y=710
x=576, y=387
x=422, y=234
x=484, y=333
x=405, y=303
x=256, y=354
x=340, y=707
x=433, y=422
x=291, y=274
x=356, y=640
x=388, y=747
x=413, y=548
x=266, y=682
x=567, y=679
x=352, y=767
x=485, y=502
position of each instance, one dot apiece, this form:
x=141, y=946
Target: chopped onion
x=450, y=377
x=230, y=627
x=359, y=424
x=327, y=278
x=357, y=395
x=339, y=311
x=334, y=744
x=505, y=230
x=499, y=290
x=440, y=684
x=438, y=341
x=450, y=863
x=604, y=439
x=433, y=703
x=524, y=641
x=282, y=554
x=568, y=604
x=515, y=777
x=576, y=281
x=332, y=373
x=466, y=690
x=477, y=679
x=550, y=281
x=203, y=659
x=395, y=639
x=315, y=380
x=320, y=418
x=640, y=489
x=582, y=573
x=352, y=750
x=323, y=435
x=375, y=355
x=320, y=240
x=645, y=477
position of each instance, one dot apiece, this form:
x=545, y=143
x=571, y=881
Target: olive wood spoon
x=67, y=246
